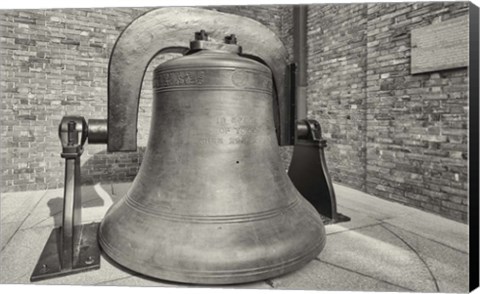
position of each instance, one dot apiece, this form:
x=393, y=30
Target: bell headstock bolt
x=232, y=39
x=201, y=36
x=72, y=134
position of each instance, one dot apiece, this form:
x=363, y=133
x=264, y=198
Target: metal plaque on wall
x=440, y=46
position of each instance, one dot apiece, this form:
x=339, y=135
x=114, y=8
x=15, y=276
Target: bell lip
x=216, y=278
x=301, y=257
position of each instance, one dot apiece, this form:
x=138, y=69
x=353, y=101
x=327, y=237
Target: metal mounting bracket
x=73, y=247
x=308, y=170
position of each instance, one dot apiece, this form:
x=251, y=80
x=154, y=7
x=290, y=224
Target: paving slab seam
x=112, y=280
x=382, y=223
x=362, y=274
x=363, y=212
x=35, y=225
x=23, y=221
x=418, y=255
x=354, y=229
x=426, y=238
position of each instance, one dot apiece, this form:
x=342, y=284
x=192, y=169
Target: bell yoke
x=211, y=203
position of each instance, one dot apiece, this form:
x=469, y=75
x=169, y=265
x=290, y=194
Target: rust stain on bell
x=212, y=203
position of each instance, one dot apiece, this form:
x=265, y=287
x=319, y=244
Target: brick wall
x=392, y=134
x=336, y=86
x=54, y=63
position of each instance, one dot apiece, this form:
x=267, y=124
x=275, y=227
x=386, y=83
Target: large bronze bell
x=212, y=202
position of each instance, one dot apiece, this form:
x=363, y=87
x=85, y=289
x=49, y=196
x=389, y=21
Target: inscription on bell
x=210, y=140
x=180, y=78
x=212, y=79
x=239, y=130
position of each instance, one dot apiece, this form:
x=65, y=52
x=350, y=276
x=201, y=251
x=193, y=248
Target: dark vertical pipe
x=300, y=58
x=473, y=172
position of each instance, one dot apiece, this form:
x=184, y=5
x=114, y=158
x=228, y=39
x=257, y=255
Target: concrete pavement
x=385, y=247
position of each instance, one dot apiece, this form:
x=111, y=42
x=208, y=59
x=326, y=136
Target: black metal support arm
x=73, y=247
x=308, y=170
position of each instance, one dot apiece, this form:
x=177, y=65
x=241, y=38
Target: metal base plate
x=86, y=254
x=339, y=219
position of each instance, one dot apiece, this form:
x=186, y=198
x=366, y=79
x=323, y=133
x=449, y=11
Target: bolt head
x=201, y=36
x=231, y=39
